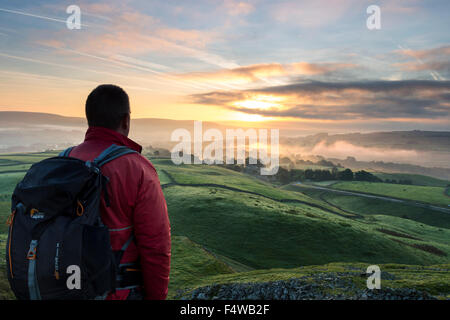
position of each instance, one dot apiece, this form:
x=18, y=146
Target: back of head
x=106, y=106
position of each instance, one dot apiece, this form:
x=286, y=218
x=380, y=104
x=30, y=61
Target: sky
x=292, y=64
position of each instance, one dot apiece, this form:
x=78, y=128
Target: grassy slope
x=204, y=174
x=427, y=194
x=198, y=174
x=264, y=234
x=247, y=231
x=416, y=179
x=370, y=207
x=191, y=262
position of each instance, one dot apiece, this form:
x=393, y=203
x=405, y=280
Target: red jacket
x=137, y=205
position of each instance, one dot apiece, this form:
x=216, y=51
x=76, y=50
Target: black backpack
x=58, y=247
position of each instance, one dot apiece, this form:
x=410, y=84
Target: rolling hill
x=231, y=227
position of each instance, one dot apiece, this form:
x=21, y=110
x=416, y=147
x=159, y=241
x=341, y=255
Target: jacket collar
x=108, y=135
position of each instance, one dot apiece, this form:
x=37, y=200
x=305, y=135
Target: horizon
x=43, y=131
x=235, y=124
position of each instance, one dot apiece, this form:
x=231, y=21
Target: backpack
x=58, y=246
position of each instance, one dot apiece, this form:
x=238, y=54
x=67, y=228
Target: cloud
x=339, y=101
x=435, y=60
x=131, y=32
x=256, y=72
x=312, y=14
x=236, y=8
x=35, y=16
x=306, y=68
x=426, y=53
x=443, y=66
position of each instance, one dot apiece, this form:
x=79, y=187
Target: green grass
x=26, y=158
x=163, y=177
x=220, y=235
x=372, y=207
x=325, y=183
x=434, y=279
x=16, y=167
x=8, y=182
x=190, y=263
x=426, y=194
x=416, y=179
x=5, y=291
x=262, y=233
x=200, y=174
x=205, y=174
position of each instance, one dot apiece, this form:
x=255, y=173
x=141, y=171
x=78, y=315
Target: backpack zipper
x=33, y=285
x=57, y=262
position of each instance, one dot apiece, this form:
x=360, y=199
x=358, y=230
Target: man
x=137, y=204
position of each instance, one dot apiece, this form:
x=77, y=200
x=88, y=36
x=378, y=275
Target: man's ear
x=125, y=125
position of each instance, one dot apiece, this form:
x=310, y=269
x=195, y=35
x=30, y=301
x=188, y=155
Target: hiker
x=137, y=205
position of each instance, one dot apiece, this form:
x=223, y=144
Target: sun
x=262, y=102
x=257, y=102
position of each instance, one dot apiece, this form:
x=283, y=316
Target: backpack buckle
x=31, y=255
x=92, y=166
x=80, y=208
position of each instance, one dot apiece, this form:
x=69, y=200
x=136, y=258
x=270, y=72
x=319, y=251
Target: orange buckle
x=80, y=208
x=33, y=211
x=31, y=254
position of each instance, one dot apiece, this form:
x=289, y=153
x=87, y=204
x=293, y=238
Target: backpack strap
x=128, y=275
x=111, y=153
x=66, y=152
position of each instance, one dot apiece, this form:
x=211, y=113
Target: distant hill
x=34, y=131
x=419, y=148
x=391, y=167
x=404, y=140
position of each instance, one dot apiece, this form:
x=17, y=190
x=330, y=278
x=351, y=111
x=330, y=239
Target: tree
x=366, y=176
x=345, y=175
x=283, y=175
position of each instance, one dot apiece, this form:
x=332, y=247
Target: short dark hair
x=106, y=106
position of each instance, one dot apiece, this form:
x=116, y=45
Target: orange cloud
x=338, y=101
x=256, y=72
x=434, y=60
x=427, y=53
x=434, y=65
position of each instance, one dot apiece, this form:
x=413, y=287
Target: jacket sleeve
x=152, y=232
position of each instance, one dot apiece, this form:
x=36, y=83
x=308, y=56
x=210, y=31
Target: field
x=416, y=179
x=231, y=227
x=374, y=207
x=426, y=194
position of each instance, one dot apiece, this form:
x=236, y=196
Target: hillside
x=231, y=227
x=425, y=194
x=34, y=131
